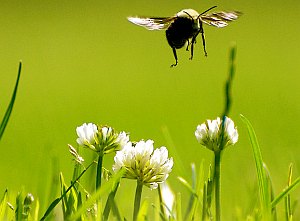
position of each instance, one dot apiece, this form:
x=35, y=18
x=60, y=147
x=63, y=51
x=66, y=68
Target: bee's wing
x=152, y=23
x=220, y=19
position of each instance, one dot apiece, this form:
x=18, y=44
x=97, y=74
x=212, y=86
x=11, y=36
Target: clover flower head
x=211, y=134
x=142, y=163
x=110, y=141
x=87, y=135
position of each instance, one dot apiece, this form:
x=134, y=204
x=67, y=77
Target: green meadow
x=82, y=62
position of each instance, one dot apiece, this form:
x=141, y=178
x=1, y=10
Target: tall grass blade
x=263, y=186
x=11, y=104
x=229, y=81
x=285, y=192
x=178, y=207
x=274, y=210
x=288, y=209
x=19, y=207
x=199, y=191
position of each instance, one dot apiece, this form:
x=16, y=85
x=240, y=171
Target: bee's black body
x=180, y=31
x=185, y=26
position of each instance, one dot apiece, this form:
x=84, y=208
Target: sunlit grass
x=76, y=202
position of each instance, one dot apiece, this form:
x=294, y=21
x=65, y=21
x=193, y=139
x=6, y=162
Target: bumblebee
x=184, y=27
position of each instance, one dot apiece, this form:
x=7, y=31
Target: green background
x=84, y=62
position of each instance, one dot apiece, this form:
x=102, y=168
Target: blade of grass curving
x=264, y=193
x=103, y=189
x=11, y=104
x=187, y=185
x=57, y=200
x=3, y=204
x=288, y=209
x=285, y=192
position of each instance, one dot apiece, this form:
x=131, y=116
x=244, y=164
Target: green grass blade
x=36, y=210
x=204, y=202
x=263, y=186
x=110, y=201
x=93, y=198
x=11, y=104
x=288, y=209
x=57, y=200
x=3, y=205
x=178, y=207
x=229, y=81
x=285, y=192
x=19, y=207
x=143, y=211
x=187, y=185
x=199, y=191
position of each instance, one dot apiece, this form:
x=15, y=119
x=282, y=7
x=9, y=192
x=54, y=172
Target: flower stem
x=99, y=171
x=217, y=182
x=137, y=199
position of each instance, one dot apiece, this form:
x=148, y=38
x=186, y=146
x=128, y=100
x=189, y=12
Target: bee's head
x=188, y=13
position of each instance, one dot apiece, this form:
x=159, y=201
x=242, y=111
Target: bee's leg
x=175, y=56
x=188, y=44
x=203, y=38
x=192, y=44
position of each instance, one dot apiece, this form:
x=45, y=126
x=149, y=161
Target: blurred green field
x=84, y=62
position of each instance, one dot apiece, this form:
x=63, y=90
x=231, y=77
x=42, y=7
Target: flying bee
x=184, y=27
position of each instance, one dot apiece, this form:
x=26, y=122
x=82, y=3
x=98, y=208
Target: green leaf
x=11, y=104
x=263, y=186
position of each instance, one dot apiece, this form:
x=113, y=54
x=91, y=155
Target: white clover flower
x=87, y=135
x=102, y=140
x=110, y=141
x=141, y=163
x=210, y=134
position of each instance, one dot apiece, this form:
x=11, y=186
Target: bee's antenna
x=188, y=15
x=206, y=11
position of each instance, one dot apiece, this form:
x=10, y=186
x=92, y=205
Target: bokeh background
x=84, y=62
